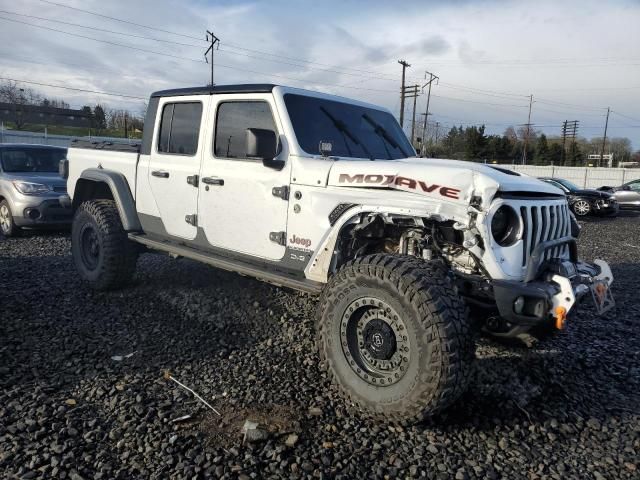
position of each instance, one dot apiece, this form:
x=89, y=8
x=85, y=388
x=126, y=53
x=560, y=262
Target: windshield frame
x=368, y=137
x=16, y=148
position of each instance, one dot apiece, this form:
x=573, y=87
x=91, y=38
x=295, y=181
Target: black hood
x=588, y=193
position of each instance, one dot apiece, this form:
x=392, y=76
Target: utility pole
x=569, y=130
x=214, y=41
x=526, y=138
x=408, y=93
x=432, y=77
x=404, y=67
x=604, y=139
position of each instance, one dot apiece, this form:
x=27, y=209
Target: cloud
x=352, y=51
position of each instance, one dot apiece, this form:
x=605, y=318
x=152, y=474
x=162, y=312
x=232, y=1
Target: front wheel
x=7, y=225
x=394, y=336
x=102, y=253
x=581, y=208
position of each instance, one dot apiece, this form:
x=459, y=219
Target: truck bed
x=120, y=157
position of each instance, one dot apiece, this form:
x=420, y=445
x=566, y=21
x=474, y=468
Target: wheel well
x=369, y=233
x=90, y=190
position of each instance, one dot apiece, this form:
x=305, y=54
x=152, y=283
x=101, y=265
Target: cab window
x=232, y=121
x=180, y=128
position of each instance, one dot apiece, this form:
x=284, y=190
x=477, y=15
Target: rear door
x=238, y=209
x=175, y=163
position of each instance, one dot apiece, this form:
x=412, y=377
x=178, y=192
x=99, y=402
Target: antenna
x=215, y=42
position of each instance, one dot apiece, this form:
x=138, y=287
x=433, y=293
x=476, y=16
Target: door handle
x=213, y=181
x=160, y=174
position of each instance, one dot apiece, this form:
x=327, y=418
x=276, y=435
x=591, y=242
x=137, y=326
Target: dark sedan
x=585, y=202
x=627, y=195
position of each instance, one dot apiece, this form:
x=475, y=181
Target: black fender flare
x=119, y=186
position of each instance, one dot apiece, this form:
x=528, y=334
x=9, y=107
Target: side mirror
x=263, y=144
x=63, y=168
x=626, y=187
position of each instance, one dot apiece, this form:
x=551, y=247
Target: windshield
x=31, y=159
x=353, y=131
x=566, y=184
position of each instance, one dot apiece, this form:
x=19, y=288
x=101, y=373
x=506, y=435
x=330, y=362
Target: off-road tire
x=441, y=341
x=113, y=261
x=8, y=229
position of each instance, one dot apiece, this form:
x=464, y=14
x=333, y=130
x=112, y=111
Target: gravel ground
x=567, y=408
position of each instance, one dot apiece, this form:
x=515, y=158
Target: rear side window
x=232, y=122
x=180, y=128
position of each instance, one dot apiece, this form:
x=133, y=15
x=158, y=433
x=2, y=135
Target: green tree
x=99, y=118
x=541, y=156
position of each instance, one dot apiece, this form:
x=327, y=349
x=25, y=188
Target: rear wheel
x=7, y=225
x=394, y=336
x=581, y=208
x=102, y=253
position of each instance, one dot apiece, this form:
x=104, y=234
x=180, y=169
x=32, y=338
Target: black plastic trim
x=119, y=187
x=230, y=264
x=537, y=257
x=217, y=89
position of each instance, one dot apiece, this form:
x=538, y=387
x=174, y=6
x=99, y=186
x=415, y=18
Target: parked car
x=627, y=195
x=585, y=202
x=30, y=186
x=325, y=195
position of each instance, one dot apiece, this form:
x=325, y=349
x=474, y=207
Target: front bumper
x=45, y=212
x=606, y=207
x=553, y=288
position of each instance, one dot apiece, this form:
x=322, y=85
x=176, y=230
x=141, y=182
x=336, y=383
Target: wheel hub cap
x=379, y=339
x=375, y=341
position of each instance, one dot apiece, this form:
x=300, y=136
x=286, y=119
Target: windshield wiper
x=382, y=133
x=342, y=127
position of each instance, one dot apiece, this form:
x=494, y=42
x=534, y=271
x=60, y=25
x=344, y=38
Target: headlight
x=505, y=225
x=29, y=188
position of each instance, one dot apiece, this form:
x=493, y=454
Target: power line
x=111, y=94
x=625, y=116
x=231, y=45
x=480, y=91
x=143, y=37
x=224, y=50
x=120, y=20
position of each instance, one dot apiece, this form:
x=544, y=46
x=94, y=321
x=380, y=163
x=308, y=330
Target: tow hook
x=561, y=317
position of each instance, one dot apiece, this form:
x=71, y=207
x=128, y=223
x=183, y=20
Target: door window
x=635, y=186
x=180, y=128
x=232, y=121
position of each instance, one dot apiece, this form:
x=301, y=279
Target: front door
x=175, y=163
x=237, y=209
x=629, y=195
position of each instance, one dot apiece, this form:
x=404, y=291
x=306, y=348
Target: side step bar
x=275, y=278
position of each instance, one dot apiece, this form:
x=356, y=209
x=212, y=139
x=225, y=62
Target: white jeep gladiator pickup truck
x=325, y=195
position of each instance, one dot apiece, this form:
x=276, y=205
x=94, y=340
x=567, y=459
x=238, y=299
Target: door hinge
x=191, y=219
x=278, y=237
x=193, y=180
x=281, y=192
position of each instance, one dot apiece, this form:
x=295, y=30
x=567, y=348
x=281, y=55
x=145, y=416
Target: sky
x=575, y=57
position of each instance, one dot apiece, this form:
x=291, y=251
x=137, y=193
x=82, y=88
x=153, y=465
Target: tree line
x=102, y=119
x=472, y=143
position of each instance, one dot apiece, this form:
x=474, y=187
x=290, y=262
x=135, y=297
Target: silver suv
x=30, y=186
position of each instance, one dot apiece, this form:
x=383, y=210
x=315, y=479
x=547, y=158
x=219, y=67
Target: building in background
x=21, y=115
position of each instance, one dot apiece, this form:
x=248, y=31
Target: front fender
x=320, y=265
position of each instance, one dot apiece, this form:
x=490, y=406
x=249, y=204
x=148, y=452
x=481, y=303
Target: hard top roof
x=216, y=89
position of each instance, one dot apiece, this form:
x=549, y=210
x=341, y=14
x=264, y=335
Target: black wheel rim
x=375, y=341
x=90, y=246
